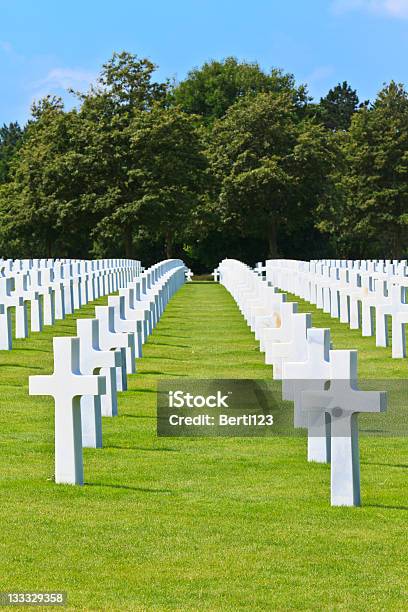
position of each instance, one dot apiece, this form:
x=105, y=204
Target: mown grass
x=188, y=524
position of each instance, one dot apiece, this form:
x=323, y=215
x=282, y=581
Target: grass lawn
x=196, y=524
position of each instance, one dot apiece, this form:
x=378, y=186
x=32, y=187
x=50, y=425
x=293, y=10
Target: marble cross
x=111, y=339
x=66, y=385
x=93, y=360
x=282, y=332
x=8, y=299
x=135, y=313
x=5, y=328
x=127, y=326
x=399, y=320
x=343, y=401
x=311, y=374
x=392, y=305
x=292, y=349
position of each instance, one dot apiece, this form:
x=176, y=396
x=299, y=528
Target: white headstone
x=66, y=385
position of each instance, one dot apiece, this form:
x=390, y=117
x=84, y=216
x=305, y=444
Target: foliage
x=270, y=165
x=10, y=139
x=232, y=161
x=337, y=108
x=209, y=91
x=372, y=195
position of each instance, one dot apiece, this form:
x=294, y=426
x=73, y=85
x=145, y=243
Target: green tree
x=338, y=107
x=375, y=184
x=39, y=206
x=270, y=165
x=164, y=180
x=124, y=88
x=210, y=90
x=10, y=139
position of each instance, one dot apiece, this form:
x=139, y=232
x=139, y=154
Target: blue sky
x=47, y=46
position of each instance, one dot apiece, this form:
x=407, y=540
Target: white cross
x=392, y=305
x=134, y=312
x=143, y=303
x=66, y=385
x=8, y=299
x=282, y=332
x=399, y=320
x=311, y=374
x=21, y=287
x=95, y=361
x=216, y=275
x=342, y=402
x=111, y=339
x=294, y=349
x=189, y=274
x=271, y=318
x=5, y=328
x=369, y=304
x=127, y=326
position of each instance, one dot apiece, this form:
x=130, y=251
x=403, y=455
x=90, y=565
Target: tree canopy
x=232, y=161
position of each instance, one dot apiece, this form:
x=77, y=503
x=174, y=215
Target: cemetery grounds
x=196, y=523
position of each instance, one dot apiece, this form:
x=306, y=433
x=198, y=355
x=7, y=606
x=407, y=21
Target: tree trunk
x=128, y=243
x=397, y=243
x=48, y=247
x=272, y=239
x=169, y=245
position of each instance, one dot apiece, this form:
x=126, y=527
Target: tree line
x=232, y=161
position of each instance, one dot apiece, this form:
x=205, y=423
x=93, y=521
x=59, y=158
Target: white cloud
x=65, y=78
x=7, y=48
x=389, y=8
x=319, y=74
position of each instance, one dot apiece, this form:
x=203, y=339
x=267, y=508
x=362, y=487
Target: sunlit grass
x=188, y=524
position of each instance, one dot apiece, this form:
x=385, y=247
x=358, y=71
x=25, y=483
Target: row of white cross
x=90, y=368
x=321, y=382
x=364, y=295
x=54, y=289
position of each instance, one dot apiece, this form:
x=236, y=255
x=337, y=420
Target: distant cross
x=189, y=275
x=95, y=361
x=133, y=312
x=66, y=385
x=293, y=349
x=127, y=326
x=282, y=332
x=8, y=299
x=110, y=339
x=391, y=306
x=311, y=375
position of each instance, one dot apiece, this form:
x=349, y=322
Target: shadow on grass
x=164, y=358
x=170, y=344
x=170, y=336
x=392, y=465
x=127, y=488
x=385, y=507
x=138, y=416
x=158, y=373
x=19, y=365
x=144, y=448
x=141, y=390
x=33, y=350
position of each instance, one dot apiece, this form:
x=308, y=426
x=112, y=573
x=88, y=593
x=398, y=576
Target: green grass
x=195, y=524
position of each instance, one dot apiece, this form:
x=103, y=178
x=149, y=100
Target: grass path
x=188, y=524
